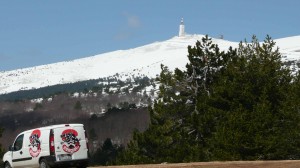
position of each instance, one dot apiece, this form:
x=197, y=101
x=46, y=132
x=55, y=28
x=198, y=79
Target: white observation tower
x=181, y=29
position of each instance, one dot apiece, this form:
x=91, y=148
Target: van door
x=70, y=143
x=20, y=157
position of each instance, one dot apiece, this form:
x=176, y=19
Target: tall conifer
x=242, y=104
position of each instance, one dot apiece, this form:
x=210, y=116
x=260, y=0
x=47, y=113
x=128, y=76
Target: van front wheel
x=44, y=164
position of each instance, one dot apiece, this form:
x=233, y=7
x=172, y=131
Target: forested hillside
x=109, y=108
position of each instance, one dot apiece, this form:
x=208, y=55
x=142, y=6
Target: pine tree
x=180, y=123
x=106, y=155
x=206, y=65
x=260, y=120
x=236, y=105
x=1, y=149
x=78, y=105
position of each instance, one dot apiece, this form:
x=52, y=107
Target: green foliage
x=78, y=105
x=124, y=105
x=106, y=155
x=93, y=117
x=260, y=119
x=92, y=134
x=241, y=104
x=127, y=106
x=52, y=90
x=132, y=155
x=94, y=85
x=38, y=106
x=1, y=149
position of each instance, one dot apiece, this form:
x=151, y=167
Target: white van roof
x=52, y=127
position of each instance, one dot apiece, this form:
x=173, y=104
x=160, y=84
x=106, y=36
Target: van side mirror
x=10, y=148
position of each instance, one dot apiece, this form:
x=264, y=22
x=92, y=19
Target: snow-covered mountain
x=144, y=60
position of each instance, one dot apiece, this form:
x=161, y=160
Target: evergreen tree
x=1, y=149
x=92, y=134
x=78, y=105
x=260, y=119
x=236, y=105
x=180, y=126
x=106, y=155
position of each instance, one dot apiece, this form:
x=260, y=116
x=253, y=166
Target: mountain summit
x=144, y=60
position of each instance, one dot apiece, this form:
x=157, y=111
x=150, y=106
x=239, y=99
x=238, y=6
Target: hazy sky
x=35, y=32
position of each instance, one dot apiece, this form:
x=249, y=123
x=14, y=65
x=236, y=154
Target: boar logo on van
x=35, y=143
x=70, y=142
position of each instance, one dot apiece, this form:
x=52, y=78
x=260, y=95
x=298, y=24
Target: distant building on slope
x=181, y=29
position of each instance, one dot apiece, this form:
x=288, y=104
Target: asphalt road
x=229, y=164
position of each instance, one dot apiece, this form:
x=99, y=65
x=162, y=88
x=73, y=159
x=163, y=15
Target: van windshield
x=19, y=142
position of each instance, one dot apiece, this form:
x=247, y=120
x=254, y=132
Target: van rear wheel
x=82, y=166
x=44, y=164
x=7, y=165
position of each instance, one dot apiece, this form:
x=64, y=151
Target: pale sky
x=34, y=32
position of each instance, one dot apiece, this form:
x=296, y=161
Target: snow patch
x=39, y=100
x=145, y=60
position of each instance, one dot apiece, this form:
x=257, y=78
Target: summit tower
x=181, y=29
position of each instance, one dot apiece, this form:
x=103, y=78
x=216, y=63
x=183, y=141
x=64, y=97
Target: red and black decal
x=71, y=143
x=35, y=143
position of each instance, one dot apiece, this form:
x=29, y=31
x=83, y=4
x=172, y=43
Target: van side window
x=18, y=143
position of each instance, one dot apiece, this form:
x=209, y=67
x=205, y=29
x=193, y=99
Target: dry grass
x=231, y=164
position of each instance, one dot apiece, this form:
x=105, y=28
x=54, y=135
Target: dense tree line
x=106, y=154
x=93, y=85
x=239, y=104
x=1, y=149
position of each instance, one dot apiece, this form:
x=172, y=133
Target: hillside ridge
x=144, y=60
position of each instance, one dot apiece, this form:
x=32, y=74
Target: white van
x=53, y=146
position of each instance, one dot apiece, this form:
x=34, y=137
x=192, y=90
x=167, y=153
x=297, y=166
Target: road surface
x=229, y=164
